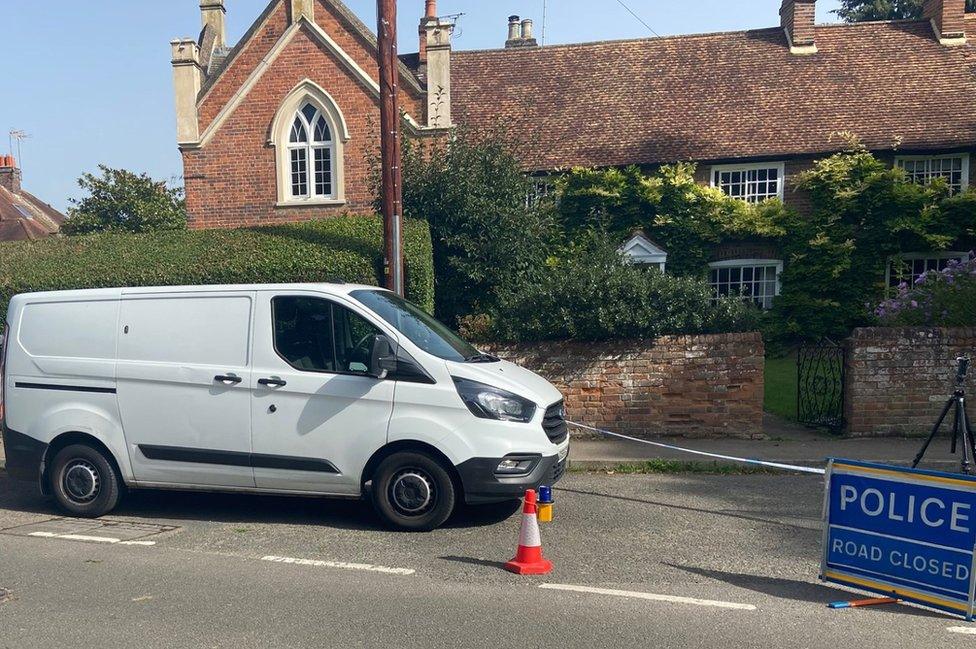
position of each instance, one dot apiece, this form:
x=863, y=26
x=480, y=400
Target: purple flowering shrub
x=945, y=298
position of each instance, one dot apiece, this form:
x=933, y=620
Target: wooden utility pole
x=386, y=33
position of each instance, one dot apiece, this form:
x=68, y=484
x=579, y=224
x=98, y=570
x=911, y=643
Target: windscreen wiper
x=482, y=358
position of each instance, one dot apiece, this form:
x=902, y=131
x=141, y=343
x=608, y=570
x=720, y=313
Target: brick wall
x=705, y=386
x=899, y=378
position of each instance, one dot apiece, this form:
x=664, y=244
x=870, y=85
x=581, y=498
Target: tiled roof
x=25, y=217
x=724, y=96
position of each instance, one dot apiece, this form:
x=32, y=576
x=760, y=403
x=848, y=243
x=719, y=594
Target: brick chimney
x=10, y=175
x=798, y=18
x=948, y=20
x=213, y=14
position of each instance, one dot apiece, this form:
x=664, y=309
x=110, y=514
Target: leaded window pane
x=323, y=172
x=308, y=110
x=299, y=172
x=322, y=133
x=298, y=133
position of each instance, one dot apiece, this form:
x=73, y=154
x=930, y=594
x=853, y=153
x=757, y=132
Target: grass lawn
x=780, y=388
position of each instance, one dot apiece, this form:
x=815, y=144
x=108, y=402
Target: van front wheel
x=83, y=481
x=412, y=492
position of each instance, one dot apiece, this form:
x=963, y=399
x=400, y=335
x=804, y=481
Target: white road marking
x=340, y=564
x=966, y=630
x=651, y=596
x=91, y=539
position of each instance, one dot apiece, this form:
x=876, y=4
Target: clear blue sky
x=92, y=84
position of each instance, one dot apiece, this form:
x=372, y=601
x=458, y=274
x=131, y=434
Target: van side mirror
x=382, y=359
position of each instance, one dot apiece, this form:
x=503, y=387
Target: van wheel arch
x=419, y=447
x=67, y=439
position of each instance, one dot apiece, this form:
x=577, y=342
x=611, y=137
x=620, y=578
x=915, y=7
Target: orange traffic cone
x=528, y=559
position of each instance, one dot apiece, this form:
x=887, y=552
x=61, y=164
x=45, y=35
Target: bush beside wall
x=347, y=248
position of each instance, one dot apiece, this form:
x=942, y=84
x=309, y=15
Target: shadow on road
x=792, y=589
x=475, y=562
x=177, y=506
x=698, y=510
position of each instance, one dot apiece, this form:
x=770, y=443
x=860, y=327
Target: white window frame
x=308, y=92
x=780, y=168
x=941, y=255
x=964, y=181
x=747, y=263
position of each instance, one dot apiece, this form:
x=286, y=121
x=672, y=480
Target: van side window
x=303, y=332
x=354, y=338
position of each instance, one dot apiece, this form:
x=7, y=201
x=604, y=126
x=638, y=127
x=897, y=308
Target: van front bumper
x=482, y=485
x=24, y=455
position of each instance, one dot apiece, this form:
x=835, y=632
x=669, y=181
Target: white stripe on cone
x=529, y=534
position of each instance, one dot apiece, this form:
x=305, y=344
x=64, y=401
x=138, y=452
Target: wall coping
x=746, y=337
x=878, y=333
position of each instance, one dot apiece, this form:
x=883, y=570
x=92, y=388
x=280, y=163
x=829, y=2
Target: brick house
x=279, y=127
x=23, y=216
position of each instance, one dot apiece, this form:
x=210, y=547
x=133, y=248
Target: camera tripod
x=960, y=421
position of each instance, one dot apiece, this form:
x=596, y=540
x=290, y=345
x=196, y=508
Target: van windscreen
x=422, y=329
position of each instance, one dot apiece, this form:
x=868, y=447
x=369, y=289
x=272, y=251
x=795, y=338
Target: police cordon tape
x=772, y=465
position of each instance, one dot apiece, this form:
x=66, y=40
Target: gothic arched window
x=311, y=155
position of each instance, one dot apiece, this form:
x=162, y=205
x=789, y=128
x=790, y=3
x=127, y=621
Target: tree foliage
x=120, y=200
x=862, y=10
x=472, y=190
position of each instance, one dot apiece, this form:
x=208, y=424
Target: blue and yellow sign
x=901, y=532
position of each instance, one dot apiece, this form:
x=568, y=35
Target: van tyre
x=413, y=492
x=84, y=481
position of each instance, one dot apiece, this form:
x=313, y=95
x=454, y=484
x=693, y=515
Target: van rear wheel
x=413, y=492
x=84, y=482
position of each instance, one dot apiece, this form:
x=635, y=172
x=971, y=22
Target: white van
x=306, y=389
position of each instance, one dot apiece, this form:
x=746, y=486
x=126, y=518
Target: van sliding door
x=184, y=387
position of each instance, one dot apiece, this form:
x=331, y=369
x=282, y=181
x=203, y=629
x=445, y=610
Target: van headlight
x=489, y=402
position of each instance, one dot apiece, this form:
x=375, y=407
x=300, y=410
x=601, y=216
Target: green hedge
x=348, y=248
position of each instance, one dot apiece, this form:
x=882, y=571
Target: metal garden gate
x=820, y=384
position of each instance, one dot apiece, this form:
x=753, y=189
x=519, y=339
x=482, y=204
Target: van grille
x=554, y=423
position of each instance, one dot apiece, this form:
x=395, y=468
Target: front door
x=317, y=415
x=184, y=387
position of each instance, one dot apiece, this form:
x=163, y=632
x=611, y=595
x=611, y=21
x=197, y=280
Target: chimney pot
x=431, y=9
x=514, y=30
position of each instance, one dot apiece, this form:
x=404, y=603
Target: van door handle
x=224, y=378
x=278, y=383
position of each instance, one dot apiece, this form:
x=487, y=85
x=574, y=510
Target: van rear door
x=184, y=387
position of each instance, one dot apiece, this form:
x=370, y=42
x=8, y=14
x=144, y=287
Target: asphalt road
x=748, y=544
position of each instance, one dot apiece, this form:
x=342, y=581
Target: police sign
x=906, y=533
